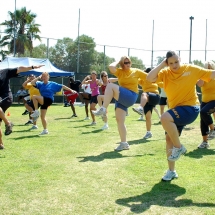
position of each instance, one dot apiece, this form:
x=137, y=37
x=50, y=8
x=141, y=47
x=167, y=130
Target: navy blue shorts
x=153, y=100
x=31, y=104
x=126, y=99
x=184, y=115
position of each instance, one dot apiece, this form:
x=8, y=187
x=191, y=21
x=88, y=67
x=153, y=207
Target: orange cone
x=8, y=114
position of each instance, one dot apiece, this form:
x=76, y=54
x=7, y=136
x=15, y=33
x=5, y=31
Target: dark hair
x=147, y=70
x=71, y=79
x=169, y=54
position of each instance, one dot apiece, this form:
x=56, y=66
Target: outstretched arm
x=27, y=68
x=67, y=88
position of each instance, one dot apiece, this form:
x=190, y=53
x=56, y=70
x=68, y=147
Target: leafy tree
x=38, y=52
x=23, y=23
x=137, y=63
x=160, y=59
x=198, y=63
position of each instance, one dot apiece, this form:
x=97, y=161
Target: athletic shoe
x=100, y=112
x=211, y=135
x=169, y=175
x=141, y=118
x=93, y=123
x=74, y=115
x=86, y=118
x=148, y=135
x=122, y=146
x=176, y=153
x=45, y=131
x=35, y=118
x=35, y=113
x=138, y=110
x=105, y=127
x=1, y=146
x=29, y=122
x=81, y=105
x=204, y=145
x=8, y=128
x=25, y=112
x=34, y=127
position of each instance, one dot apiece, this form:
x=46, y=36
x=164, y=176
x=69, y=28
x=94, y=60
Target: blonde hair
x=46, y=73
x=122, y=60
x=209, y=65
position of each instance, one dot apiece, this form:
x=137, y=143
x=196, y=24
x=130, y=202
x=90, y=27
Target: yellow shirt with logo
x=180, y=86
x=32, y=90
x=148, y=86
x=129, y=79
x=208, y=91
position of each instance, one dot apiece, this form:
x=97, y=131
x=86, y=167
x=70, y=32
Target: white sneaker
x=93, y=123
x=148, y=135
x=105, y=127
x=169, y=175
x=36, y=113
x=34, y=127
x=211, y=135
x=122, y=146
x=203, y=145
x=138, y=110
x=101, y=111
x=176, y=153
x=141, y=118
x=34, y=119
x=45, y=131
x=87, y=118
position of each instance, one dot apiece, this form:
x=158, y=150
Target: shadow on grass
x=28, y=137
x=140, y=141
x=105, y=155
x=200, y=153
x=163, y=194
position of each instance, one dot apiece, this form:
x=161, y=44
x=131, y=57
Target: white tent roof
x=12, y=62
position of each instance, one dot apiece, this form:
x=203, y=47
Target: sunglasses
x=126, y=63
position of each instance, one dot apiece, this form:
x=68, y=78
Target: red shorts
x=71, y=97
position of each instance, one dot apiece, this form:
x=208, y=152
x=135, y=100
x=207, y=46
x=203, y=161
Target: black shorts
x=5, y=104
x=94, y=99
x=153, y=100
x=46, y=102
x=163, y=101
x=89, y=97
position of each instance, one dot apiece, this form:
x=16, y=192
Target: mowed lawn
x=75, y=170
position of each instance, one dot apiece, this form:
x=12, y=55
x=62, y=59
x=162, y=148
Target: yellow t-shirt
x=32, y=90
x=180, y=86
x=208, y=91
x=148, y=86
x=129, y=79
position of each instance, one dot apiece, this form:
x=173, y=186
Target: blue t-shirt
x=48, y=90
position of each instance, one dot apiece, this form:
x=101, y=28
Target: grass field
x=74, y=169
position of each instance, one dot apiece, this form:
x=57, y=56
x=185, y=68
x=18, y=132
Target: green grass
x=74, y=169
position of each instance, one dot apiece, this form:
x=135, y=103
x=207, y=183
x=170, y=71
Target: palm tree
x=21, y=25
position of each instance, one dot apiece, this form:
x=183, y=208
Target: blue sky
x=127, y=24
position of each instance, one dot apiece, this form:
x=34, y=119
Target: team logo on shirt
x=186, y=73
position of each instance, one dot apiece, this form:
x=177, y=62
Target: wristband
x=32, y=67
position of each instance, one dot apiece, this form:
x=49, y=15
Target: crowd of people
x=170, y=84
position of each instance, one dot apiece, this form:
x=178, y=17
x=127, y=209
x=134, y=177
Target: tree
x=198, y=63
x=160, y=59
x=137, y=63
x=21, y=25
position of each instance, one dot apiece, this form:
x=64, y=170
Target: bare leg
x=148, y=121
x=100, y=99
x=170, y=127
x=157, y=112
x=73, y=108
x=43, y=117
x=86, y=107
x=169, y=146
x=92, y=107
x=120, y=119
x=3, y=117
x=36, y=100
x=1, y=142
x=144, y=99
x=111, y=91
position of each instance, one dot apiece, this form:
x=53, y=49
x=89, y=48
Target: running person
x=180, y=87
